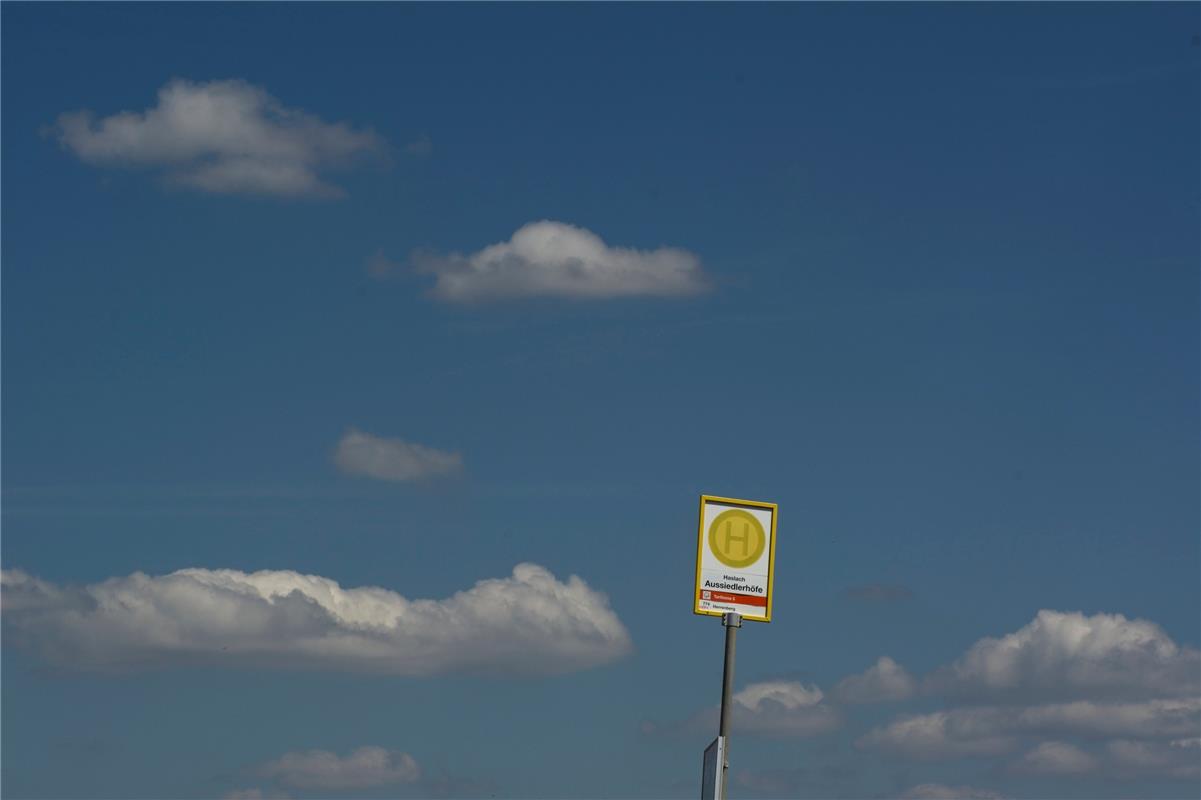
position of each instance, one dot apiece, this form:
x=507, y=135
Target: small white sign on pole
x=735, y=558
x=715, y=757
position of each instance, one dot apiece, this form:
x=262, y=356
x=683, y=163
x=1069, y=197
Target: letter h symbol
x=744, y=538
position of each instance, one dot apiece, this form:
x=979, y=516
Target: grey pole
x=731, y=622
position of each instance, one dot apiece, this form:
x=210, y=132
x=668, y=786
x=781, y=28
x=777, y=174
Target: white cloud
x=553, y=259
x=528, y=623
x=1067, y=655
x=938, y=791
x=780, y=708
x=883, y=682
x=783, y=708
x=768, y=708
x=789, y=695
x=386, y=459
x=1176, y=759
x=1162, y=718
x=364, y=768
x=1120, y=758
x=1056, y=758
x=1062, y=675
x=996, y=729
x=936, y=736
x=221, y=136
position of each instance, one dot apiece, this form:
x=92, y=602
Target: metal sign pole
x=731, y=622
x=735, y=567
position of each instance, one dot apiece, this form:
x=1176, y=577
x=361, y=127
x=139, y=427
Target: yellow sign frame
x=774, y=508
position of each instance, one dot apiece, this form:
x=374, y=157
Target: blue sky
x=924, y=275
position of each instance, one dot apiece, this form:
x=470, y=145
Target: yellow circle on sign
x=737, y=538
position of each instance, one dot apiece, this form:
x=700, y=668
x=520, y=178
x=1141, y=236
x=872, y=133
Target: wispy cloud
x=1056, y=758
x=220, y=136
x=936, y=736
x=386, y=459
x=554, y=259
x=255, y=793
x=365, y=768
x=1180, y=758
x=939, y=791
x=815, y=780
x=995, y=729
x=421, y=147
x=243, y=794
x=527, y=623
x=380, y=266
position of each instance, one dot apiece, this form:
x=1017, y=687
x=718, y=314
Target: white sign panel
x=735, y=555
x=715, y=757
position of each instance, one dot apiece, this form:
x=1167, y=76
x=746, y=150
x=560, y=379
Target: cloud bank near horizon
x=1069, y=696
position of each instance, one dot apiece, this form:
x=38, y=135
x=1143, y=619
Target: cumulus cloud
x=883, y=682
x=1100, y=677
x=527, y=623
x=322, y=770
x=386, y=459
x=1056, y=758
x=938, y=791
x=554, y=259
x=220, y=136
x=1068, y=654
